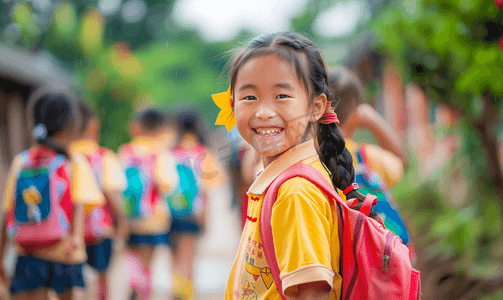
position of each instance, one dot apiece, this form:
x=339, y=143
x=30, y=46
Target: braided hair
x=307, y=61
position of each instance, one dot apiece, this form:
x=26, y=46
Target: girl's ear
x=318, y=108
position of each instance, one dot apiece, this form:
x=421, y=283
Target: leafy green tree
x=121, y=63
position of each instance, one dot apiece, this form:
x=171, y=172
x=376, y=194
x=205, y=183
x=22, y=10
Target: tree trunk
x=487, y=127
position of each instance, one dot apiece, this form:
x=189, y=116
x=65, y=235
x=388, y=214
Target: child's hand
x=74, y=243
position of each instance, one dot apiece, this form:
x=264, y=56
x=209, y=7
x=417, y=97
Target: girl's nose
x=265, y=113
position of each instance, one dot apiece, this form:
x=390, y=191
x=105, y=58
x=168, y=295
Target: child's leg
x=183, y=260
x=141, y=251
x=187, y=244
x=99, y=258
x=72, y=294
x=40, y=294
x=142, y=259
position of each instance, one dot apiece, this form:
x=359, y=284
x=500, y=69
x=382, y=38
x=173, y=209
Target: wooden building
x=21, y=73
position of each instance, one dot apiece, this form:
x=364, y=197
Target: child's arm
x=367, y=117
x=77, y=235
x=312, y=291
x=114, y=198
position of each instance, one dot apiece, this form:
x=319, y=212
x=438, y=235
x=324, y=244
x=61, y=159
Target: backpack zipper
x=387, y=252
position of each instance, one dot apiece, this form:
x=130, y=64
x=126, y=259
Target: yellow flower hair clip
x=224, y=102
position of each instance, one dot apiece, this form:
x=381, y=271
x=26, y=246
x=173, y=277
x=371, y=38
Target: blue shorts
x=98, y=255
x=182, y=226
x=32, y=274
x=152, y=240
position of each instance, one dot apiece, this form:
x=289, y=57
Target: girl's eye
x=282, y=96
x=249, y=98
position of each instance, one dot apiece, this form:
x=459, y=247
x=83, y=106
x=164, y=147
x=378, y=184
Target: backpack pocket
x=181, y=201
x=134, y=192
x=33, y=202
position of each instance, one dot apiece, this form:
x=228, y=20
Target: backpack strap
x=370, y=200
x=314, y=176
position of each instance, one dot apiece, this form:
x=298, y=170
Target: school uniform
x=304, y=229
x=110, y=177
x=151, y=230
x=50, y=267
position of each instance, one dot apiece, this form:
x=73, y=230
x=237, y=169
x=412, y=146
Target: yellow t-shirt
x=84, y=191
x=112, y=178
x=305, y=234
x=165, y=178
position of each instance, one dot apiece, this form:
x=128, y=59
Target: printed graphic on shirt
x=256, y=276
x=248, y=291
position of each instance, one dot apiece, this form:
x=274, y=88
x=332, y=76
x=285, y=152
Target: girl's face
x=271, y=106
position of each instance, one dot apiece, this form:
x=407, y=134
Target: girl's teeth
x=268, y=132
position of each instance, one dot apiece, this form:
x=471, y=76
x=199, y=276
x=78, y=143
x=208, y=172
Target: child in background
x=198, y=171
x=388, y=162
x=278, y=93
x=150, y=172
x=99, y=220
x=44, y=203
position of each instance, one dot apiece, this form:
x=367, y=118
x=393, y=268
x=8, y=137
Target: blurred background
x=433, y=69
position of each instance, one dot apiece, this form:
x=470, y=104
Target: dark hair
x=151, y=119
x=189, y=122
x=56, y=112
x=86, y=115
x=348, y=88
x=306, y=59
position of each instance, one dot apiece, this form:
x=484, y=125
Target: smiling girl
x=280, y=100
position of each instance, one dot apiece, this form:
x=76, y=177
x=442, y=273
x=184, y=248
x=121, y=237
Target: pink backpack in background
x=375, y=263
x=43, y=207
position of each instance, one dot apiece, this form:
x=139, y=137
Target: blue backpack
x=182, y=200
x=370, y=182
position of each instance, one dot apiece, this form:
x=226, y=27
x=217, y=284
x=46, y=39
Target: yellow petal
x=226, y=115
x=223, y=99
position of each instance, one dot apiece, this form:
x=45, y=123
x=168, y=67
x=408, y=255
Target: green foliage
x=467, y=229
x=448, y=47
x=121, y=67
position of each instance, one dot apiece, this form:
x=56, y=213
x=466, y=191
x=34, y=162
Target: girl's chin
x=268, y=150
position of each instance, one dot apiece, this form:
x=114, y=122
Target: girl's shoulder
x=307, y=190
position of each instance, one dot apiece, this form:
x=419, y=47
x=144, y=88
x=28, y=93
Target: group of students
x=68, y=200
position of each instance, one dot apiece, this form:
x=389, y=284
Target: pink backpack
x=375, y=263
x=43, y=207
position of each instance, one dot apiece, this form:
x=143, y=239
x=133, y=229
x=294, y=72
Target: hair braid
x=338, y=159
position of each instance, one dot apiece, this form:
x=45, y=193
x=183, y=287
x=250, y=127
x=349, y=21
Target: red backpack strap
x=314, y=176
x=370, y=200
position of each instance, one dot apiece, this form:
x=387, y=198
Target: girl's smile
x=271, y=106
x=268, y=132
